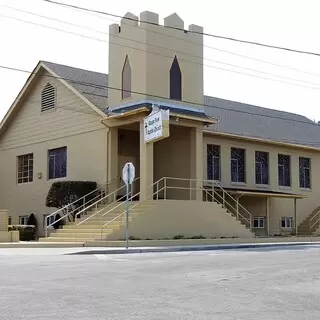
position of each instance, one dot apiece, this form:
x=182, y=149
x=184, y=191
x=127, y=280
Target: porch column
x=146, y=166
x=113, y=163
x=268, y=215
x=295, y=215
x=196, y=162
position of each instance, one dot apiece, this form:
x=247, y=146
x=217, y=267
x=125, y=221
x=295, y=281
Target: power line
x=210, y=66
x=199, y=57
x=88, y=84
x=181, y=29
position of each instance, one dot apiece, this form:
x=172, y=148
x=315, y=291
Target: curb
x=194, y=248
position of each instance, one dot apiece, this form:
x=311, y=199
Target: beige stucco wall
x=73, y=124
x=166, y=219
x=278, y=207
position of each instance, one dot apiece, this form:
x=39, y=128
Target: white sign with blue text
x=156, y=126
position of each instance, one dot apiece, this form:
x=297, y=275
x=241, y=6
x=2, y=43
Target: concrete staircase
x=311, y=223
x=152, y=219
x=91, y=229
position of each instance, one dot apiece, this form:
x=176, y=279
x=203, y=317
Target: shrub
x=26, y=232
x=198, y=237
x=134, y=238
x=62, y=193
x=32, y=221
x=179, y=236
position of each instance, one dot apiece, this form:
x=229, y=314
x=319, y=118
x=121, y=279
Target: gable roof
x=257, y=122
x=236, y=118
x=90, y=84
x=78, y=80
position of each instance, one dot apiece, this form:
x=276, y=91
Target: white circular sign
x=128, y=173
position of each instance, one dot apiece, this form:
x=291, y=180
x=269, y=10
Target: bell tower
x=149, y=61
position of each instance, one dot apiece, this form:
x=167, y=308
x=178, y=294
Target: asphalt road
x=262, y=284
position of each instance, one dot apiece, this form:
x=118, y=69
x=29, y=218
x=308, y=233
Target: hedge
x=26, y=232
x=62, y=193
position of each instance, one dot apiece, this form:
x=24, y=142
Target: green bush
x=62, y=193
x=26, y=232
x=178, y=237
x=32, y=221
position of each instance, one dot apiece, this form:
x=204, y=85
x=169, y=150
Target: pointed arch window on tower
x=126, y=79
x=175, y=80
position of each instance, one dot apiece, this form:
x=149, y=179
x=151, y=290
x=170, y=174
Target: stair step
x=78, y=235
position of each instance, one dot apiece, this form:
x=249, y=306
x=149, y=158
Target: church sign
x=156, y=126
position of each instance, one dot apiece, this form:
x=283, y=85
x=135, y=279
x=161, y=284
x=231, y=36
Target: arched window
x=126, y=79
x=175, y=80
x=48, y=97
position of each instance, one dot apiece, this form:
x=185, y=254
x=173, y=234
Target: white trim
x=76, y=92
x=164, y=104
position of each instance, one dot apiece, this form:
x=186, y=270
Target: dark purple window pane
x=175, y=81
x=262, y=167
x=213, y=162
x=284, y=175
x=237, y=165
x=58, y=163
x=304, y=172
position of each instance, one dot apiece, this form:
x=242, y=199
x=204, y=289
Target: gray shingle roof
x=258, y=122
x=234, y=117
x=93, y=85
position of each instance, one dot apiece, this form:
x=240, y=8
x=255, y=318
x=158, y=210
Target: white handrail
x=215, y=184
x=157, y=193
x=82, y=198
x=216, y=196
x=86, y=208
x=316, y=215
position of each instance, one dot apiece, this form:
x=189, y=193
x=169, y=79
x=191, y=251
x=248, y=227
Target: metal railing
x=315, y=220
x=163, y=189
x=85, y=204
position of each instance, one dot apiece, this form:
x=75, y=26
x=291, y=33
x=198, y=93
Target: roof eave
x=252, y=139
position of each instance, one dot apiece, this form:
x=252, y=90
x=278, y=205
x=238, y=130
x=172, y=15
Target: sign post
x=128, y=174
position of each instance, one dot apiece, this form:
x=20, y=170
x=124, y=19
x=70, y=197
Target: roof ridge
x=75, y=68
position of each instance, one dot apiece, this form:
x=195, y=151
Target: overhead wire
x=161, y=47
x=97, y=86
x=171, y=36
x=181, y=29
x=210, y=66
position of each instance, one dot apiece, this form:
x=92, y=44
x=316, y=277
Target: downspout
x=107, y=154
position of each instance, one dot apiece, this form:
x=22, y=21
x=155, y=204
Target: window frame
x=259, y=219
x=175, y=80
x=237, y=166
x=126, y=79
x=30, y=178
x=214, y=160
x=51, y=219
x=285, y=220
x=310, y=170
x=55, y=177
x=22, y=217
x=284, y=169
x=267, y=167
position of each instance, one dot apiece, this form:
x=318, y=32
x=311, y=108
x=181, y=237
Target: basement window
x=286, y=222
x=48, y=97
x=258, y=222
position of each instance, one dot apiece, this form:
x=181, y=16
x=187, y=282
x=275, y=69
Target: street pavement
x=258, y=283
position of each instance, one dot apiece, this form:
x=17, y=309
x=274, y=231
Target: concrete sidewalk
x=214, y=247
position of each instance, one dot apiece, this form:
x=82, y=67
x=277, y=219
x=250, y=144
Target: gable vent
x=48, y=97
